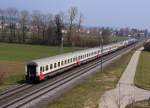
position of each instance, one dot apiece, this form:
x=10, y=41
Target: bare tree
x=44, y=26
x=2, y=18
x=2, y=22
x=72, y=17
x=59, y=25
x=36, y=18
x=12, y=16
x=24, y=18
x=80, y=22
x=78, y=36
x=50, y=29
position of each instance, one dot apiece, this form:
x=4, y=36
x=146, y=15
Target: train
x=40, y=69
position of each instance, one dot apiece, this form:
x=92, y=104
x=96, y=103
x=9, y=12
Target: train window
x=58, y=64
x=78, y=57
x=68, y=60
x=62, y=63
x=55, y=65
x=71, y=60
x=46, y=67
x=40, y=68
x=65, y=61
x=51, y=66
x=74, y=59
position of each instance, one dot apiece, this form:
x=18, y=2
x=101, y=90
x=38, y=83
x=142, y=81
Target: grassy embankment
x=87, y=94
x=142, y=77
x=13, y=58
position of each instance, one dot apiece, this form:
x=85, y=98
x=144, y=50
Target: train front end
x=31, y=72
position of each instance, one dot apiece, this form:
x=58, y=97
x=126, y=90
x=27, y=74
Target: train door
x=31, y=72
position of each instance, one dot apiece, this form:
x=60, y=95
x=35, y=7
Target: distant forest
x=48, y=29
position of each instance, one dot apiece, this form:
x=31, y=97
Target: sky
x=112, y=13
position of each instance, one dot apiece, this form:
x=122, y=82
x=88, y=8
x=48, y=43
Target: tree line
x=39, y=28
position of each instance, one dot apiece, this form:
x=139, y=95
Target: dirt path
x=125, y=92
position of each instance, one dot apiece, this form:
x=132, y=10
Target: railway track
x=14, y=90
x=12, y=100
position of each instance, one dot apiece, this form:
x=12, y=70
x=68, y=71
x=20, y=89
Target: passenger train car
x=40, y=69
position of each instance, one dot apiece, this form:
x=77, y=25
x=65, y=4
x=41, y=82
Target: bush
x=2, y=75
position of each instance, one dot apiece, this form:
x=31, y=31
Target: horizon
x=97, y=13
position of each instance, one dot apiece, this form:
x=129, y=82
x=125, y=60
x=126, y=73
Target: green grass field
x=19, y=52
x=87, y=94
x=142, y=77
x=13, y=58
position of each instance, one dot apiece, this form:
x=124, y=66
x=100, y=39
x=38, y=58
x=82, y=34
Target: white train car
x=41, y=68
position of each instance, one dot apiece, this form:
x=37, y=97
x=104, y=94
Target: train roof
x=67, y=55
x=62, y=56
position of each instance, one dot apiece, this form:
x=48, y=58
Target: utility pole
x=101, y=47
x=62, y=42
x=102, y=52
x=133, y=101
